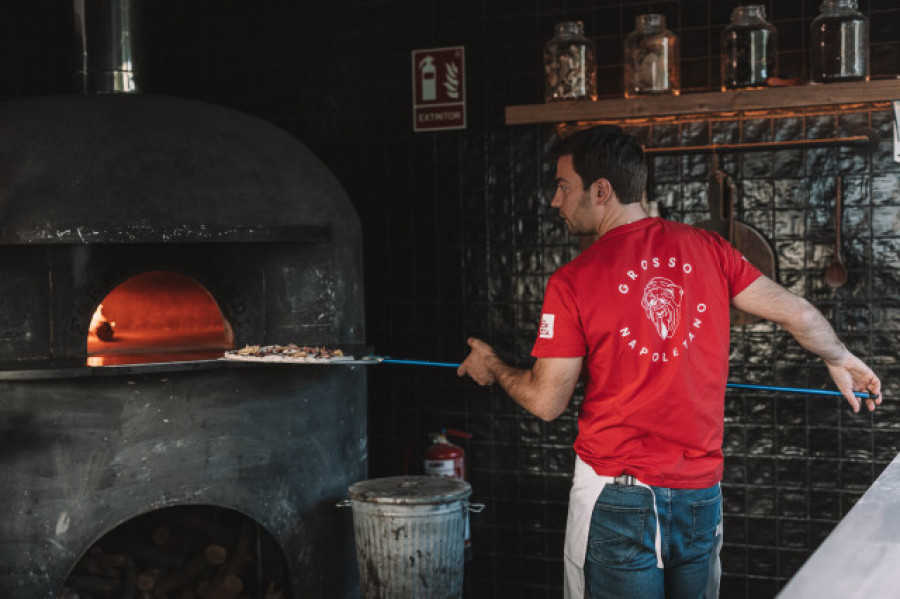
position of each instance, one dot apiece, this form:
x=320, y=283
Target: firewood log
x=215, y=554
x=105, y=331
x=145, y=553
x=146, y=580
x=228, y=584
x=186, y=577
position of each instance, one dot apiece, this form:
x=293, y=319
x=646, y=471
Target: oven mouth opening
x=157, y=316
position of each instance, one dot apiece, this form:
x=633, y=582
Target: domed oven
x=140, y=237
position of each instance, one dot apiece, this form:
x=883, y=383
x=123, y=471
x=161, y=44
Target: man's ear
x=603, y=190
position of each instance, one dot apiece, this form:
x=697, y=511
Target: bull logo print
x=662, y=304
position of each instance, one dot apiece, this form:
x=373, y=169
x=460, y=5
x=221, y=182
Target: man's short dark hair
x=607, y=152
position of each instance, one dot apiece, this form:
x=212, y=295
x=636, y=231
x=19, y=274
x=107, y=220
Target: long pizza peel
x=776, y=389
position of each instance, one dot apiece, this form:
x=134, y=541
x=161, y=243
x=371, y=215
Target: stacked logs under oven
x=181, y=553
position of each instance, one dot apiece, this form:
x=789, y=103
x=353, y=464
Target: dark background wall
x=459, y=239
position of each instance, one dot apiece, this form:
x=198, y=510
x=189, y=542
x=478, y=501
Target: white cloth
x=586, y=488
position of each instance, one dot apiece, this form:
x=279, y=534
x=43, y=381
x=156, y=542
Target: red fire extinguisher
x=443, y=458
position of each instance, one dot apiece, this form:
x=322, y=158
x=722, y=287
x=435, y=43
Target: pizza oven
x=140, y=237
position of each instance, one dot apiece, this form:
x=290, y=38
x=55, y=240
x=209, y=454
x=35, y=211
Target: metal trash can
x=410, y=536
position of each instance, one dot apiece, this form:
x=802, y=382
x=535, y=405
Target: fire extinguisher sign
x=439, y=89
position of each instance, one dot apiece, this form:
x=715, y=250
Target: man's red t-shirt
x=648, y=305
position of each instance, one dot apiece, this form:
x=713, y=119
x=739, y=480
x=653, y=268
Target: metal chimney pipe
x=107, y=46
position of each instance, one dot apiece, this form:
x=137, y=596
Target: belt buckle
x=624, y=479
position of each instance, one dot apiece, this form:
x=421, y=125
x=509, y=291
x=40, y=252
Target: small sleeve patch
x=546, y=331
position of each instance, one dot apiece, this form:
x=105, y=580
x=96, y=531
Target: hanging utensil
x=747, y=240
x=836, y=273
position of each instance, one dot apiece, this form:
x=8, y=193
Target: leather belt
x=624, y=479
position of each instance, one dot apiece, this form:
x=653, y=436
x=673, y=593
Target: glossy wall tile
x=459, y=240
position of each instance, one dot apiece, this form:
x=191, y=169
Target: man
x=644, y=312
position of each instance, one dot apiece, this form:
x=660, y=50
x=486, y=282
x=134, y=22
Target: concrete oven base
x=279, y=444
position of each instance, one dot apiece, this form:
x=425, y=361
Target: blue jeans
x=621, y=555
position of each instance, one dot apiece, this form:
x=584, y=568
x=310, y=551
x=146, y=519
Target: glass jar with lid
x=839, y=43
x=749, y=48
x=569, y=71
x=651, y=58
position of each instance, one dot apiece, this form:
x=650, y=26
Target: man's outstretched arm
x=544, y=390
x=767, y=299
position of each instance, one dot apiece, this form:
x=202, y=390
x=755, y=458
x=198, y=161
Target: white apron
x=586, y=488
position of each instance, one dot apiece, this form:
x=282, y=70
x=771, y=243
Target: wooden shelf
x=772, y=98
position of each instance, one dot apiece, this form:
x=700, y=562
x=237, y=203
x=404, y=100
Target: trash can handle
x=343, y=503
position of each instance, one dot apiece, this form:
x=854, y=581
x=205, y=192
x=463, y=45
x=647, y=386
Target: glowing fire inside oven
x=157, y=316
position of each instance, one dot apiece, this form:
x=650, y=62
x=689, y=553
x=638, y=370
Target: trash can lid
x=410, y=490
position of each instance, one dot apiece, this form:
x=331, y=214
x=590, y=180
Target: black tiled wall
x=459, y=239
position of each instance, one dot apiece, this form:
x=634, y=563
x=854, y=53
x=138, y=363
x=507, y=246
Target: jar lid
x=650, y=21
x=749, y=10
x=838, y=4
x=569, y=28
x=409, y=490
